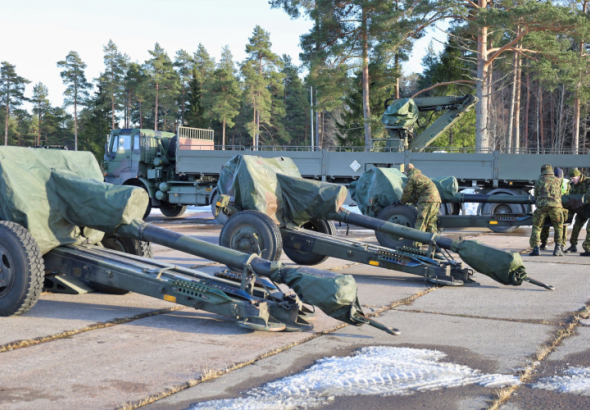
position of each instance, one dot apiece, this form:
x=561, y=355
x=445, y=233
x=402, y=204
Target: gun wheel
x=403, y=215
x=311, y=258
x=252, y=232
x=21, y=269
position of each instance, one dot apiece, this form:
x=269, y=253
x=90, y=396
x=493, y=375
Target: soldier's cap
x=547, y=167
x=558, y=172
x=410, y=166
x=574, y=172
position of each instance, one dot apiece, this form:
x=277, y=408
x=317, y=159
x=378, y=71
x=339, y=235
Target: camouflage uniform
x=565, y=189
x=548, y=202
x=582, y=187
x=422, y=191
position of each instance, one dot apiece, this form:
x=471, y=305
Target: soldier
x=422, y=191
x=580, y=185
x=565, y=188
x=548, y=201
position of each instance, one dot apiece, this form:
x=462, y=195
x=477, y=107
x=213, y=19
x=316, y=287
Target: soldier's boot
x=557, y=251
x=586, y=253
x=572, y=249
x=543, y=246
x=535, y=251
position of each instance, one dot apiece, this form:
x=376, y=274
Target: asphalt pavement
x=131, y=351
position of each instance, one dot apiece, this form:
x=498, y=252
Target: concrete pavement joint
x=214, y=373
x=504, y=394
x=69, y=333
x=530, y=321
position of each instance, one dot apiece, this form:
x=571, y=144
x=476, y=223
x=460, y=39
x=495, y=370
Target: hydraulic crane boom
x=401, y=116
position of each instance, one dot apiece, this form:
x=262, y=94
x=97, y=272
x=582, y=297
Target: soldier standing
x=580, y=185
x=422, y=191
x=565, y=188
x=548, y=202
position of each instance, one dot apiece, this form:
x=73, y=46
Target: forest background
x=527, y=62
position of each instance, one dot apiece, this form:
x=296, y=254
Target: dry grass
x=69, y=333
x=504, y=394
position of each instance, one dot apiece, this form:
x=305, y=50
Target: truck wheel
x=252, y=232
x=221, y=218
x=21, y=269
x=498, y=209
x=404, y=215
x=125, y=245
x=173, y=211
x=311, y=258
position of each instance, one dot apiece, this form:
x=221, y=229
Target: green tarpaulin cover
x=304, y=199
x=47, y=192
x=274, y=187
x=378, y=188
x=334, y=294
x=401, y=113
x=251, y=181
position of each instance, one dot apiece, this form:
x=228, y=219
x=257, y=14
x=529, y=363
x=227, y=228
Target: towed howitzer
x=66, y=209
x=271, y=192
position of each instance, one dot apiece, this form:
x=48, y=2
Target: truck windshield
x=120, y=143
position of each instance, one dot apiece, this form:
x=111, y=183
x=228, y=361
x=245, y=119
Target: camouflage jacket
x=582, y=187
x=419, y=189
x=548, y=190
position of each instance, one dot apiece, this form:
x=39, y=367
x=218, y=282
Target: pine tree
x=12, y=88
x=183, y=64
x=297, y=107
x=164, y=81
x=223, y=93
x=112, y=79
x=260, y=72
x=76, y=92
x=41, y=106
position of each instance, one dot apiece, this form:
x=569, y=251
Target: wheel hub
x=399, y=220
x=7, y=272
x=247, y=240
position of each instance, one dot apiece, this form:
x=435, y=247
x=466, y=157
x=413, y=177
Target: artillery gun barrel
x=146, y=232
x=393, y=229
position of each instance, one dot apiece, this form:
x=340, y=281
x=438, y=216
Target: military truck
x=183, y=169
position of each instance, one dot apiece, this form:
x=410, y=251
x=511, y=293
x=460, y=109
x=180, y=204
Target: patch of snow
x=575, y=380
x=189, y=210
x=375, y=370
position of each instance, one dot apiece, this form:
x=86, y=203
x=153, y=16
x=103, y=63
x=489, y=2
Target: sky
x=42, y=32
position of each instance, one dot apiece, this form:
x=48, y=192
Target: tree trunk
x=541, y=116
x=366, y=107
x=7, y=116
x=223, y=135
x=528, y=105
x=481, y=132
x=576, y=118
x=512, y=102
x=140, y=115
x=156, y=108
x=397, y=68
x=517, y=104
x=75, y=125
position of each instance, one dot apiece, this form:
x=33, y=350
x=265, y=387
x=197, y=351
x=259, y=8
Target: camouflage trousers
x=545, y=230
x=539, y=216
x=427, y=217
x=578, y=225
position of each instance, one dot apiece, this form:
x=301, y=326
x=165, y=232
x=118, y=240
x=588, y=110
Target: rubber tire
x=126, y=245
x=490, y=207
x=221, y=218
x=311, y=258
x=408, y=212
x=28, y=264
x=173, y=211
x=271, y=235
x=172, y=148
